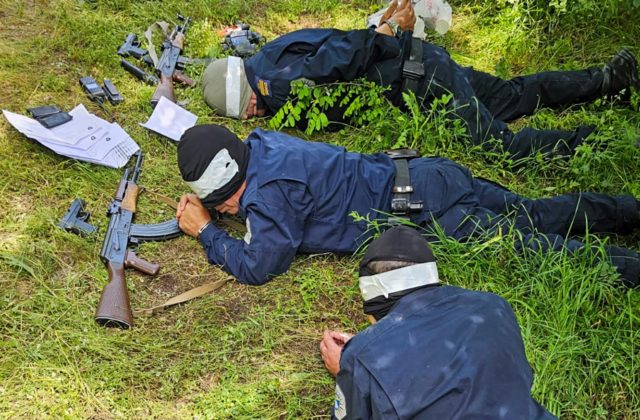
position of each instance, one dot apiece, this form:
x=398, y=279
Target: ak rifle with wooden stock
x=114, y=309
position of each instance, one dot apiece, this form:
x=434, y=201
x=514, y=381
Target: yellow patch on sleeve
x=264, y=87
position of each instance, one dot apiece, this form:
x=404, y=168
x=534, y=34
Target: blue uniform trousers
x=486, y=103
x=465, y=207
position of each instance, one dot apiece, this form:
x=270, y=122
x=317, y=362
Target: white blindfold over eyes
x=404, y=278
x=219, y=172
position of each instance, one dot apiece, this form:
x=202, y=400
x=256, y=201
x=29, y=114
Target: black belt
x=413, y=68
x=401, y=204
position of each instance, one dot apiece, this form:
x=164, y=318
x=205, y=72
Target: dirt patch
x=234, y=304
x=209, y=382
x=17, y=209
x=9, y=241
x=24, y=288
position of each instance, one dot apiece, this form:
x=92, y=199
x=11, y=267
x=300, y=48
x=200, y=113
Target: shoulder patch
x=264, y=86
x=340, y=404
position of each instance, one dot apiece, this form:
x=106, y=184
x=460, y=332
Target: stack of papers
x=86, y=137
x=170, y=120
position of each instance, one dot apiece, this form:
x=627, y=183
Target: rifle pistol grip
x=133, y=261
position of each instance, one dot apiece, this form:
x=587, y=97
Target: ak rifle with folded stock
x=114, y=309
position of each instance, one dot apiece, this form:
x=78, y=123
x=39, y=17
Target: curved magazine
x=156, y=231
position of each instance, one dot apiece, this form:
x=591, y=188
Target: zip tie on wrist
x=206, y=225
x=393, y=25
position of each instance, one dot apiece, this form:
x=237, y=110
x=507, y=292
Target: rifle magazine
x=156, y=231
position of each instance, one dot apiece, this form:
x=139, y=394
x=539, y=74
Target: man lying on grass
x=297, y=196
x=389, y=57
x=434, y=351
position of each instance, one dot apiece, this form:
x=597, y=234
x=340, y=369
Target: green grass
x=251, y=352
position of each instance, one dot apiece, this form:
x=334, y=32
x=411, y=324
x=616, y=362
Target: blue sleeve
x=346, y=56
x=358, y=392
x=353, y=400
x=275, y=231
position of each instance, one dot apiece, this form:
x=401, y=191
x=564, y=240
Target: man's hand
x=389, y=12
x=252, y=108
x=331, y=349
x=404, y=15
x=400, y=12
x=191, y=214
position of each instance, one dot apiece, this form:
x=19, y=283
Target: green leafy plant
x=360, y=102
x=363, y=104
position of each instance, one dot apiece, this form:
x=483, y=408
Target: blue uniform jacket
x=299, y=197
x=441, y=353
x=324, y=56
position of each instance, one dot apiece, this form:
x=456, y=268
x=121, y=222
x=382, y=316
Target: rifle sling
x=160, y=197
x=148, y=34
x=183, y=297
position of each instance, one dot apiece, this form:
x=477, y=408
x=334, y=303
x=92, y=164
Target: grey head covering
x=225, y=87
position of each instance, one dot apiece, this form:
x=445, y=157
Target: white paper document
x=86, y=137
x=170, y=120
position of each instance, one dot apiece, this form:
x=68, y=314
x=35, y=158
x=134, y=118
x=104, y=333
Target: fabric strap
x=148, y=34
x=402, y=188
x=413, y=68
x=184, y=297
x=401, y=204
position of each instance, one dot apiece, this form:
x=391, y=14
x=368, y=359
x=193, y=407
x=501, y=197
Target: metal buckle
x=401, y=206
x=413, y=70
x=402, y=153
x=404, y=189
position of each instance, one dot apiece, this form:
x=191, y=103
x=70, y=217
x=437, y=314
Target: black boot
x=620, y=73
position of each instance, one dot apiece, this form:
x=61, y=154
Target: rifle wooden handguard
x=130, y=197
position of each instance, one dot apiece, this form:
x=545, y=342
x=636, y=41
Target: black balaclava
x=400, y=243
x=213, y=161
